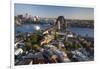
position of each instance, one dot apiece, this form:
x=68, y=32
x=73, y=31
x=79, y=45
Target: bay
x=32, y=27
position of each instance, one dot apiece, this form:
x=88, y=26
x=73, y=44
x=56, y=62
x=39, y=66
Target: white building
x=18, y=51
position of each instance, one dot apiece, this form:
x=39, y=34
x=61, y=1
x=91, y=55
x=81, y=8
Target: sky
x=54, y=11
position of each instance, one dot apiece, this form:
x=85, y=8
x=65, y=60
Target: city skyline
x=55, y=11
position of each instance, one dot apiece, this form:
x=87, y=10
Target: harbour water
x=31, y=28
x=85, y=32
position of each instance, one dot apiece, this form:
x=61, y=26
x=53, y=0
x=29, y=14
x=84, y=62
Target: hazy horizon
x=48, y=11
